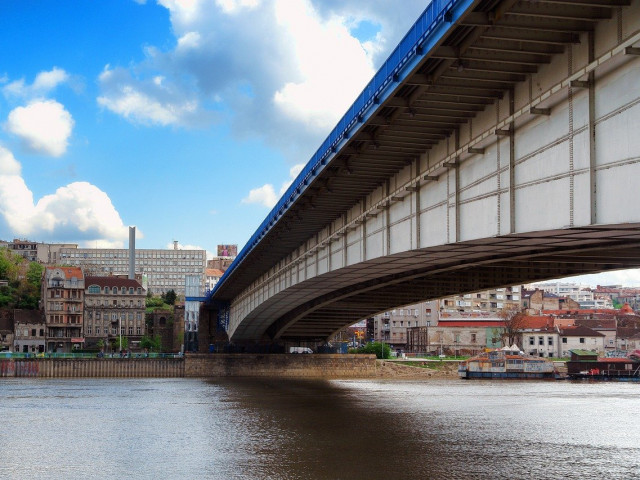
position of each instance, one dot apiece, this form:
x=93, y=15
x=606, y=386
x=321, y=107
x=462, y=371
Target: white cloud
x=146, y=103
x=44, y=126
x=235, y=6
x=79, y=210
x=44, y=83
x=333, y=65
x=266, y=194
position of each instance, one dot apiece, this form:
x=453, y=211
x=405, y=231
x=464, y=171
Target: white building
x=163, y=269
x=577, y=292
x=580, y=338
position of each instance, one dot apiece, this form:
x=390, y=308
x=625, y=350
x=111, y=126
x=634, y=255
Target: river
x=341, y=429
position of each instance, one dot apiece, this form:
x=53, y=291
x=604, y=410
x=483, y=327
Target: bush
x=381, y=350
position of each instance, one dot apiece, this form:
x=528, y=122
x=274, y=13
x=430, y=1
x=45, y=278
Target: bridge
x=498, y=144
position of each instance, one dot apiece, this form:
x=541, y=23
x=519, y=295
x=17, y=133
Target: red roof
x=536, y=322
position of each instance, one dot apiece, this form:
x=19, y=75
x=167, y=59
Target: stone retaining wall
x=280, y=365
x=92, y=367
x=196, y=366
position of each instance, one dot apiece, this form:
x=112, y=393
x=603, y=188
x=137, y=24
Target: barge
x=586, y=365
x=508, y=363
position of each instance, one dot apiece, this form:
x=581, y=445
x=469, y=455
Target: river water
x=346, y=429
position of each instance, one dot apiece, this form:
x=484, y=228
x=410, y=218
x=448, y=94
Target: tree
x=513, y=320
x=169, y=297
x=153, y=344
x=381, y=350
x=122, y=343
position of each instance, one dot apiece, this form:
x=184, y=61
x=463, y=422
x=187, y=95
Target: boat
x=507, y=363
x=587, y=365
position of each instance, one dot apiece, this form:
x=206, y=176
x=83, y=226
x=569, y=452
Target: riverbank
x=416, y=370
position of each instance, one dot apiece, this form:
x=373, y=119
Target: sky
x=185, y=118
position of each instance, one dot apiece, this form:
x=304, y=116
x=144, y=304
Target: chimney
x=132, y=253
x=175, y=244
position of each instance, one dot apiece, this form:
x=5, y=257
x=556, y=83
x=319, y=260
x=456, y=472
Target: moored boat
x=508, y=363
x=586, y=365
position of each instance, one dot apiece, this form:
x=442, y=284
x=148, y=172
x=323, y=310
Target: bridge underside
x=362, y=290
x=502, y=153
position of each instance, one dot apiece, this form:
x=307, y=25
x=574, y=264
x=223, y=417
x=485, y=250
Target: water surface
x=277, y=429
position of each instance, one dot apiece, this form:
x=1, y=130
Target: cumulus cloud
x=266, y=194
x=147, y=103
x=328, y=82
x=79, y=210
x=44, y=126
x=283, y=71
x=44, y=83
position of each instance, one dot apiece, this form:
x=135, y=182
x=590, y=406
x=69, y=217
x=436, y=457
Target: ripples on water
x=277, y=429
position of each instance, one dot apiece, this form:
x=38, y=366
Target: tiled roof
x=213, y=272
x=28, y=316
x=579, y=331
x=69, y=271
x=536, y=322
x=118, y=282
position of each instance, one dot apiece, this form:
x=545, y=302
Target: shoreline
x=398, y=370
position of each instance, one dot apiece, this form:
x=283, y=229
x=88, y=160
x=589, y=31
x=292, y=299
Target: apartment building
x=114, y=307
x=161, y=270
x=63, y=303
x=30, y=331
x=45, y=253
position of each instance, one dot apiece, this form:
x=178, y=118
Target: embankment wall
x=196, y=366
x=284, y=365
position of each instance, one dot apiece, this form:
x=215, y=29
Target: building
x=577, y=292
x=536, y=301
x=45, y=253
x=30, y=331
x=580, y=338
x=161, y=269
x=6, y=331
x=169, y=327
x=212, y=276
x=114, y=307
x=391, y=326
x=63, y=302
x=493, y=300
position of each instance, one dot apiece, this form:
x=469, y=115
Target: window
x=473, y=338
x=130, y=330
x=97, y=330
x=540, y=340
x=532, y=341
x=89, y=330
x=33, y=332
x=138, y=332
x=564, y=339
x=94, y=289
x=114, y=290
x=581, y=339
x=550, y=341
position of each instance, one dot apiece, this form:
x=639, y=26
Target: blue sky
x=185, y=118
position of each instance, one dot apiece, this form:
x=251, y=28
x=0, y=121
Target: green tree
x=153, y=344
x=34, y=274
x=122, y=343
x=381, y=350
x=170, y=297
